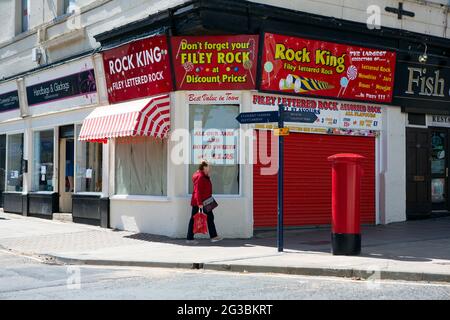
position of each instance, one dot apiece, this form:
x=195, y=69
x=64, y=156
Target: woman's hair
x=203, y=164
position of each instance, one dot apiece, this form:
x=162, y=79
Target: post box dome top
x=346, y=157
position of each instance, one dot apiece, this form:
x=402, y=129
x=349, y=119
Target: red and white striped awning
x=145, y=117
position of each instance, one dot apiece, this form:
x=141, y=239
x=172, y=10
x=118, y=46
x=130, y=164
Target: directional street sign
x=257, y=117
x=281, y=132
x=304, y=117
x=272, y=116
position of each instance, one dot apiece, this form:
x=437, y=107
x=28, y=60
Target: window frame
x=12, y=133
x=22, y=20
x=134, y=197
x=76, y=124
x=187, y=106
x=55, y=159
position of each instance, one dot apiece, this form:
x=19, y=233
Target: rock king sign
x=138, y=69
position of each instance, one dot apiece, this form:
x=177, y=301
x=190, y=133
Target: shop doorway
x=427, y=184
x=439, y=169
x=66, y=168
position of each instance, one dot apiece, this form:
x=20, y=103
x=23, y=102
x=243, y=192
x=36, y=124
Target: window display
x=14, y=163
x=214, y=137
x=43, y=156
x=88, y=166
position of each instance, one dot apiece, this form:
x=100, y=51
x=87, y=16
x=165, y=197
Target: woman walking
x=202, y=191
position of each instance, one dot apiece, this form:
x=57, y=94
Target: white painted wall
x=393, y=171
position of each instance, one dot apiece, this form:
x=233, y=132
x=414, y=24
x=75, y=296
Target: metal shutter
x=308, y=180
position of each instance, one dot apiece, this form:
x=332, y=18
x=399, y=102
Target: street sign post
x=295, y=116
x=281, y=116
x=280, y=226
x=257, y=117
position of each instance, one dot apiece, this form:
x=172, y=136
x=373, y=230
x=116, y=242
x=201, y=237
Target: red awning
x=145, y=117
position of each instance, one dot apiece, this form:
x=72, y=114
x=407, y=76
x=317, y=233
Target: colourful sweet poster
x=310, y=67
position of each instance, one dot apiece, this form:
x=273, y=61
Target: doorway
x=66, y=168
x=439, y=169
x=418, y=173
x=427, y=163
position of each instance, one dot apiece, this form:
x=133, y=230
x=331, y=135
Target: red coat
x=202, y=188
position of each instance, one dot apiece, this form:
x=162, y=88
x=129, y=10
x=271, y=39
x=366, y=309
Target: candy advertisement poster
x=300, y=66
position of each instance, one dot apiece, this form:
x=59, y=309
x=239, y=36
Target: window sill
x=42, y=192
x=222, y=196
x=88, y=193
x=121, y=197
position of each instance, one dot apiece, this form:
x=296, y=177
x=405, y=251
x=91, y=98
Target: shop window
x=14, y=162
x=141, y=166
x=25, y=15
x=43, y=154
x=88, y=166
x=214, y=137
x=70, y=6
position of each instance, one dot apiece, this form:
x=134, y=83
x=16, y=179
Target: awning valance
x=144, y=117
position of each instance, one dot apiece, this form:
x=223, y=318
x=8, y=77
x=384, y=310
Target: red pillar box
x=346, y=190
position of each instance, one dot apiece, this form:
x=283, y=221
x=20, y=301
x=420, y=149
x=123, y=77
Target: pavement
x=411, y=251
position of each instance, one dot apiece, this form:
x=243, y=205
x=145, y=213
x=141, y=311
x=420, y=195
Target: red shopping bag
x=200, y=223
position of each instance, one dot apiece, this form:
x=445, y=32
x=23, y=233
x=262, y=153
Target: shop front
x=302, y=68
x=422, y=89
x=11, y=146
x=159, y=126
x=340, y=127
x=46, y=164
x=174, y=101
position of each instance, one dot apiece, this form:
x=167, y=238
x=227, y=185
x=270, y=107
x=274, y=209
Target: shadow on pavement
x=418, y=240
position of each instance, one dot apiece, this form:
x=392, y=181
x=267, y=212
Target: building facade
x=108, y=105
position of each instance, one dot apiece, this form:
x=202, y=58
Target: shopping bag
x=200, y=223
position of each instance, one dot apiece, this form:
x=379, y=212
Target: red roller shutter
x=308, y=180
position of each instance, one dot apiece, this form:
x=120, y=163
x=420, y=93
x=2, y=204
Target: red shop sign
x=309, y=67
x=215, y=62
x=138, y=69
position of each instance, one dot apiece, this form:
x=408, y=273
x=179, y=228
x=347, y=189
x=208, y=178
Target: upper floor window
x=70, y=6
x=25, y=15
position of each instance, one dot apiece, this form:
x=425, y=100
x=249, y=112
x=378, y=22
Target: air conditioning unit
x=36, y=55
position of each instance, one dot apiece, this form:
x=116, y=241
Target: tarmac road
x=24, y=277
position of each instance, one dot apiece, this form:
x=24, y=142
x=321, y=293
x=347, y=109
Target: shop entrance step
x=63, y=217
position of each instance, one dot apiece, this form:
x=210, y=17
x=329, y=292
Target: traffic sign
x=257, y=117
x=304, y=117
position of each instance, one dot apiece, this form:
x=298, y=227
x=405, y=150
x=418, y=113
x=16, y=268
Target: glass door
x=66, y=174
x=439, y=169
